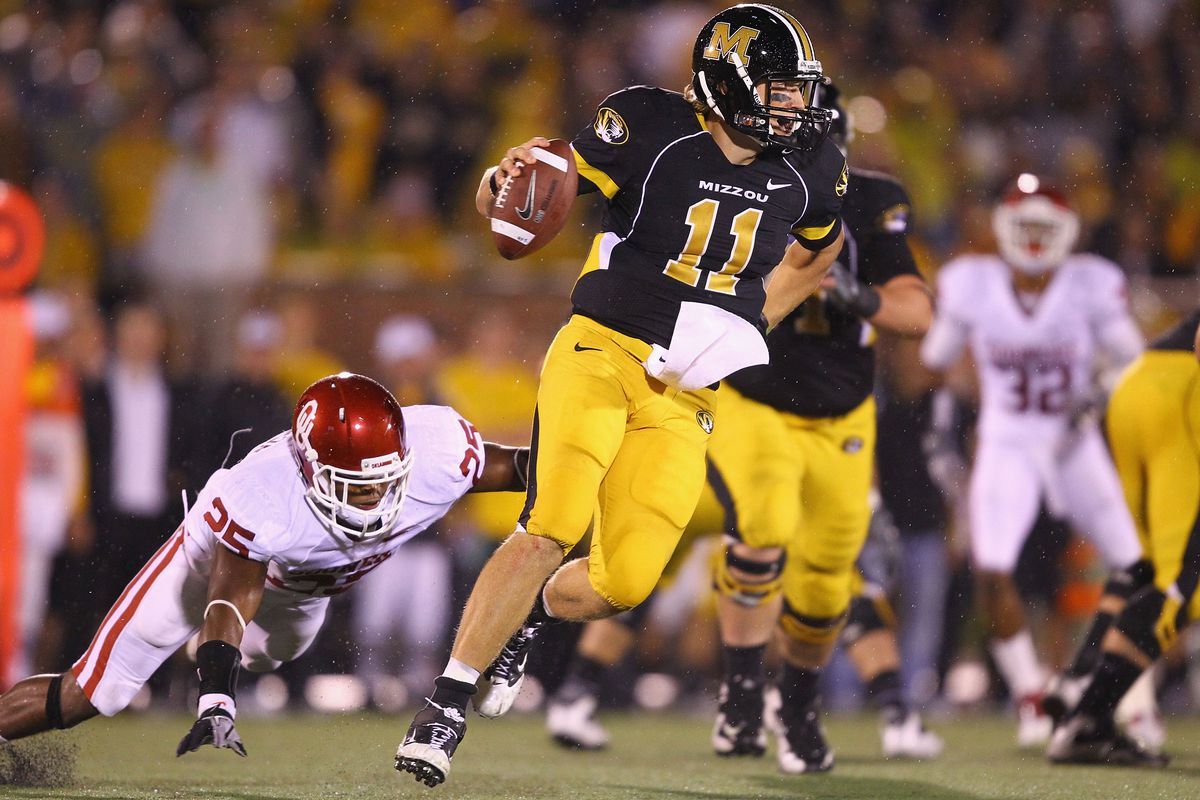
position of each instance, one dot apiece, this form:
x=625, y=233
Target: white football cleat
x=500, y=683
x=573, y=724
x=1147, y=729
x=908, y=738
x=1138, y=714
x=1033, y=726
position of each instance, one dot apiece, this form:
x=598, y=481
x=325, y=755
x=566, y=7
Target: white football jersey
x=257, y=508
x=1035, y=364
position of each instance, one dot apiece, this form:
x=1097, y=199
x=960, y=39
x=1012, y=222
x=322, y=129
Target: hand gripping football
x=530, y=209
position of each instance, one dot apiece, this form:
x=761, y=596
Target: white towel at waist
x=708, y=344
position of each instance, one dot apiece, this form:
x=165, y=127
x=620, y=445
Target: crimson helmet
x=753, y=43
x=1035, y=226
x=348, y=436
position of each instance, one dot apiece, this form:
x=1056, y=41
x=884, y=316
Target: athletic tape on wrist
x=221, y=701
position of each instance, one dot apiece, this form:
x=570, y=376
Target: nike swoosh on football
x=771, y=185
x=526, y=211
x=579, y=348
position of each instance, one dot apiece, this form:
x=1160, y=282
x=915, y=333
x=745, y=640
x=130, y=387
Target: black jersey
x=1181, y=337
x=682, y=222
x=822, y=359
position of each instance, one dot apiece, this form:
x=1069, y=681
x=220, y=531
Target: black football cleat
x=738, y=730
x=1082, y=740
x=801, y=740
x=432, y=738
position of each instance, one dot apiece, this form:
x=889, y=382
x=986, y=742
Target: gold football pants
x=1153, y=421
x=612, y=443
x=802, y=484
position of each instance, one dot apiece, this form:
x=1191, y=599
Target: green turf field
x=654, y=757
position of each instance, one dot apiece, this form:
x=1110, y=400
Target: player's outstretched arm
x=509, y=166
x=902, y=305
x=235, y=590
x=505, y=469
x=798, y=275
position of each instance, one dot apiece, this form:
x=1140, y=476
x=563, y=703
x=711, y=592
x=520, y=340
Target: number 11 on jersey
x=701, y=218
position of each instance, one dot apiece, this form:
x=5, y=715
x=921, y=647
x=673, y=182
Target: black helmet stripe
x=804, y=51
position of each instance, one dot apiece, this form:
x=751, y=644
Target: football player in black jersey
x=793, y=463
x=706, y=195
x=1153, y=424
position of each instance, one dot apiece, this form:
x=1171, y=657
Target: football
x=530, y=209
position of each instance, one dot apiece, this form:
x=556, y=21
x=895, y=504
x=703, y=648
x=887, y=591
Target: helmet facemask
x=739, y=58
x=749, y=110
x=1035, y=233
x=330, y=487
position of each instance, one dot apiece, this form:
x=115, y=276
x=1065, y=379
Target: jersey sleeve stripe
x=815, y=234
x=602, y=181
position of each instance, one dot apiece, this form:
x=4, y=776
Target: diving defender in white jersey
x=251, y=569
x=1039, y=320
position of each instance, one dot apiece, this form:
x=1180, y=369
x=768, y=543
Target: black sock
x=584, y=677
x=450, y=692
x=538, y=615
x=798, y=686
x=744, y=664
x=1111, y=681
x=1089, y=652
x=885, y=693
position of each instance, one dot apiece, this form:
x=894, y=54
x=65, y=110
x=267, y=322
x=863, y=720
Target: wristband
x=217, y=665
x=223, y=703
x=866, y=304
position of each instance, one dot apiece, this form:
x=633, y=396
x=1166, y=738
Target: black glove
x=850, y=294
x=214, y=727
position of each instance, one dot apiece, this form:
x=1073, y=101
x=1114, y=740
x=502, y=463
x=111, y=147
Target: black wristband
x=217, y=665
x=867, y=303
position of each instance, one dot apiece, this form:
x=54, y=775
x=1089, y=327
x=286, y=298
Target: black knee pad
x=1123, y=583
x=866, y=615
x=766, y=583
x=810, y=630
x=1138, y=618
x=54, y=703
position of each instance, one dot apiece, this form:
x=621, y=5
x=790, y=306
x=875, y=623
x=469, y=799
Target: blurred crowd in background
x=241, y=198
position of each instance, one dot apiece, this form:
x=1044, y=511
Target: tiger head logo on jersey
x=349, y=440
x=705, y=420
x=610, y=127
x=739, y=55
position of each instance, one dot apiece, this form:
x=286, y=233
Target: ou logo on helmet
x=305, y=420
